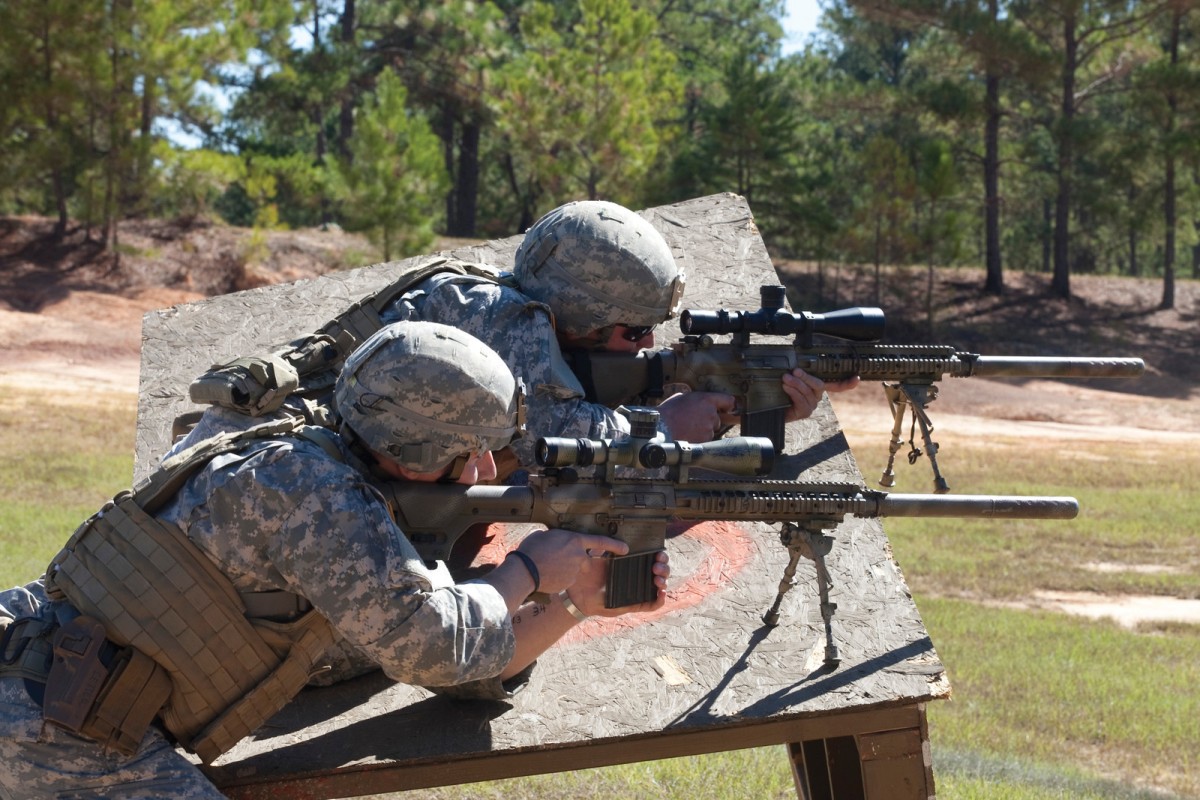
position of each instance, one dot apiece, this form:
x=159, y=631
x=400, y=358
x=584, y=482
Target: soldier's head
x=429, y=401
x=604, y=271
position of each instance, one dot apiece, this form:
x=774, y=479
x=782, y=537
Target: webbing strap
x=270, y=695
x=132, y=697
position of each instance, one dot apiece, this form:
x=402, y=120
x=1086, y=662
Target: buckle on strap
x=17, y=635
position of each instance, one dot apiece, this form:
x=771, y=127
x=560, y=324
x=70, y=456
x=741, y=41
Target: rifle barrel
x=1050, y=367
x=967, y=505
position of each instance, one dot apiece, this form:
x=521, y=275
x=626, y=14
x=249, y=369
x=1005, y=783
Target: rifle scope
x=857, y=324
x=737, y=455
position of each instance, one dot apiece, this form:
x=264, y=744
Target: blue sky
x=800, y=19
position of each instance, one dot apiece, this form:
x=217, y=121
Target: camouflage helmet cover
x=424, y=394
x=595, y=264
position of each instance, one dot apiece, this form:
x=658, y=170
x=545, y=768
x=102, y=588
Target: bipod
x=903, y=397
x=809, y=539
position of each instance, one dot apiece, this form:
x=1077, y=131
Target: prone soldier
x=194, y=607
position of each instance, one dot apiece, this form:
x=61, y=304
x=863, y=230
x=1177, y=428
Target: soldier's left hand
x=805, y=392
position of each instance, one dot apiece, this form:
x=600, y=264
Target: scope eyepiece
x=561, y=451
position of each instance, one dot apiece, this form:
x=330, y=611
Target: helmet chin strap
x=456, y=469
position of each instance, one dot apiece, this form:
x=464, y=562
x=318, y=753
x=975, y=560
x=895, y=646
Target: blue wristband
x=529, y=565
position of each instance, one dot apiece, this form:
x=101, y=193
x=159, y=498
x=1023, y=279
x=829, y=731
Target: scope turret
x=859, y=324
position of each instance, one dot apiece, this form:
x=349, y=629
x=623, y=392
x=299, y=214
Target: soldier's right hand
x=560, y=555
x=698, y=416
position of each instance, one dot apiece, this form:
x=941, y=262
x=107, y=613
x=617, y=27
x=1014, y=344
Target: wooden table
x=702, y=676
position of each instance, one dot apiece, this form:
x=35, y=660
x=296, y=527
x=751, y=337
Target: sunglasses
x=635, y=333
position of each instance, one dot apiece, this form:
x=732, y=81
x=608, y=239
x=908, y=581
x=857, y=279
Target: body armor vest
x=212, y=663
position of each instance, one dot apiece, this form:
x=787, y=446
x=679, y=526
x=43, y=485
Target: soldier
x=592, y=275
x=194, y=608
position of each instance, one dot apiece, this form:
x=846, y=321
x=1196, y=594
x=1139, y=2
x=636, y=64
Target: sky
x=800, y=19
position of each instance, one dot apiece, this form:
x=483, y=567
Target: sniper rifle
x=751, y=371
x=623, y=500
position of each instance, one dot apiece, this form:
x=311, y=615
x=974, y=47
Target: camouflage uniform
x=281, y=514
x=522, y=331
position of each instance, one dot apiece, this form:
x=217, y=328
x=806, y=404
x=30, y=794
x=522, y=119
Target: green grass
x=1046, y=706
x=1047, y=688
x=61, y=463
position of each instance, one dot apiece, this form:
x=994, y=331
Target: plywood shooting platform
x=702, y=676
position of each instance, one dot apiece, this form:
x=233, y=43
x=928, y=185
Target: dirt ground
x=70, y=322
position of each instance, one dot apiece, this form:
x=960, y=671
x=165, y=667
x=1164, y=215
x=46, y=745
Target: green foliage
x=391, y=187
x=580, y=106
x=647, y=103
x=188, y=182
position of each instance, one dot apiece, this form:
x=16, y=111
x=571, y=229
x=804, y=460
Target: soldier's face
x=614, y=339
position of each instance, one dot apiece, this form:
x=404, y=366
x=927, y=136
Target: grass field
x=1045, y=705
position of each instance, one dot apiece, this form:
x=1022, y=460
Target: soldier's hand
x=698, y=416
x=805, y=392
x=588, y=591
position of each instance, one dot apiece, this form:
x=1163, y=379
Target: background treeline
x=1055, y=135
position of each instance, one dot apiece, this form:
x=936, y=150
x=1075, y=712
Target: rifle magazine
x=631, y=580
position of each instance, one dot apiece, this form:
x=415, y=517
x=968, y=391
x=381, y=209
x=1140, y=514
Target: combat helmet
x=425, y=394
x=595, y=264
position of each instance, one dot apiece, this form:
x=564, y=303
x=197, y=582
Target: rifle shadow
x=821, y=680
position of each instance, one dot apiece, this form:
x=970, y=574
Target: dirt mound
x=200, y=259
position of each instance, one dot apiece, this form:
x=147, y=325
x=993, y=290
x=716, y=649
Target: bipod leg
x=898, y=402
x=824, y=584
x=771, y=618
x=811, y=542
x=902, y=397
x=919, y=398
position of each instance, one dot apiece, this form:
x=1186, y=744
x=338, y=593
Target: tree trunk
x=467, y=186
x=1047, y=233
x=1134, y=267
x=349, y=22
x=1168, y=296
x=991, y=171
x=1060, y=284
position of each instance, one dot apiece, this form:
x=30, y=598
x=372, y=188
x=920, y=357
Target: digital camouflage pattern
x=595, y=264
x=521, y=331
x=424, y=393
